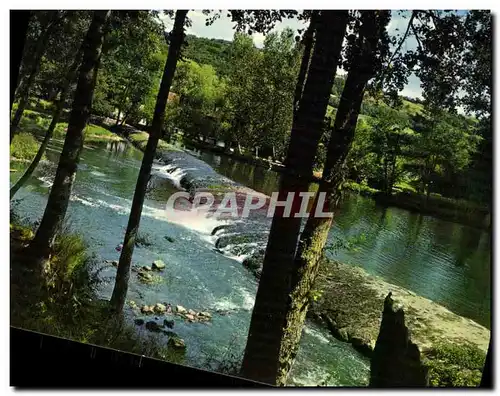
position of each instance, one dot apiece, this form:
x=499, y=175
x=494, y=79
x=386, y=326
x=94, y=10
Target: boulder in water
x=145, y=276
x=158, y=265
x=190, y=317
x=177, y=343
x=160, y=308
x=168, y=323
x=170, y=239
x=139, y=321
x=205, y=314
x=153, y=326
x=147, y=309
x=146, y=268
x=180, y=309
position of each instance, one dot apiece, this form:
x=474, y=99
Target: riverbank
x=458, y=211
x=350, y=305
x=69, y=307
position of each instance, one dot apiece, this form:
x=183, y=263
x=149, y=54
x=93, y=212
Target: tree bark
x=123, y=273
x=19, y=22
x=24, y=90
x=57, y=204
x=267, y=330
x=55, y=119
x=308, y=41
x=313, y=238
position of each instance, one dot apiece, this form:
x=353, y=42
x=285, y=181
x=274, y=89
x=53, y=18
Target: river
x=197, y=276
x=446, y=262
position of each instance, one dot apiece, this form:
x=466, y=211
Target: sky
x=222, y=28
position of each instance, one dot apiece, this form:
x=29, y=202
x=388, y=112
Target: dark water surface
x=446, y=262
x=197, y=276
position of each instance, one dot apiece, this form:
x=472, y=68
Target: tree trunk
x=123, y=273
x=24, y=90
x=118, y=117
x=55, y=119
x=262, y=354
x=308, y=40
x=315, y=233
x=18, y=35
x=57, y=204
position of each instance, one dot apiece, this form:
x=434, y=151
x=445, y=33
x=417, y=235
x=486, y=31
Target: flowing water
x=446, y=262
x=197, y=276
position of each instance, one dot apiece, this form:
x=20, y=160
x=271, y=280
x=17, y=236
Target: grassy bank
x=459, y=211
x=65, y=304
x=455, y=210
x=350, y=302
x=36, y=123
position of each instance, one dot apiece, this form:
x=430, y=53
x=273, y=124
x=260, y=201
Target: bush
x=69, y=307
x=452, y=365
x=24, y=146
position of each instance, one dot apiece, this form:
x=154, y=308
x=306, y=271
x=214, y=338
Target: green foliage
x=452, y=365
x=214, y=52
x=130, y=66
x=24, y=146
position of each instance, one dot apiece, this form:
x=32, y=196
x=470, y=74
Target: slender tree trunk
x=308, y=41
x=55, y=119
x=24, y=90
x=315, y=233
x=18, y=34
x=118, y=117
x=123, y=272
x=267, y=328
x=57, y=204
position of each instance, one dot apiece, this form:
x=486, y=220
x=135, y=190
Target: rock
x=153, y=326
x=168, y=323
x=343, y=335
x=170, y=239
x=158, y=265
x=339, y=333
x=205, y=314
x=190, y=317
x=114, y=263
x=160, y=308
x=146, y=268
x=180, y=309
x=145, y=276
x=191, y=312
x=396, y=359
x=139, y=321
x=147, y=309
x=132, y=303
x=177, y=342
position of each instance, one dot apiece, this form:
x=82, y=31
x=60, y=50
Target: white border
x=192, y=4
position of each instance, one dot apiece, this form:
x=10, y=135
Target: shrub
x=452, y=365
x=24, y=146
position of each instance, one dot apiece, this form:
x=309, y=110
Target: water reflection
x=443, y=261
